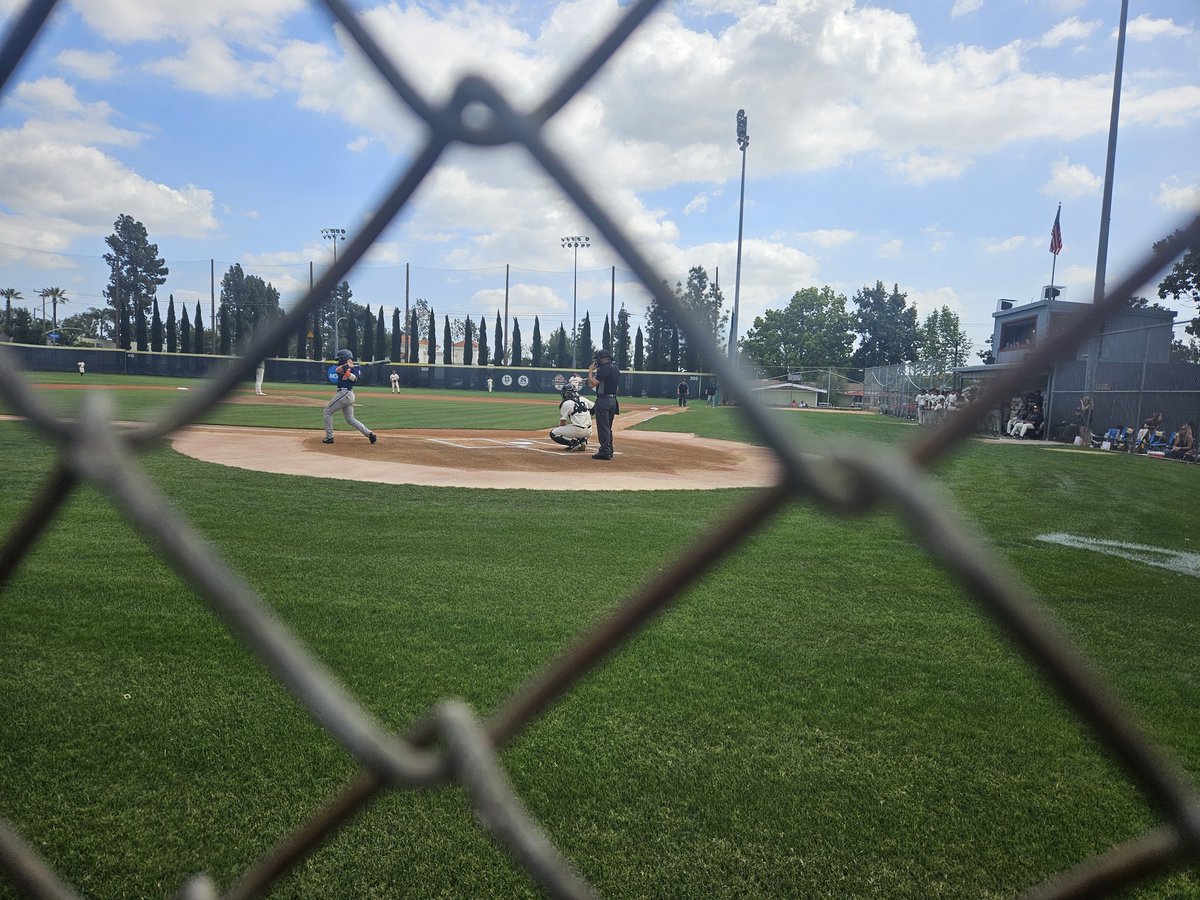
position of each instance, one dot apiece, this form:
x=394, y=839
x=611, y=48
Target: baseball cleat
x=327, y=441
x=600, y=456
x=371, y=437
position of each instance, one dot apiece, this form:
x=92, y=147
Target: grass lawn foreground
x=825, y=715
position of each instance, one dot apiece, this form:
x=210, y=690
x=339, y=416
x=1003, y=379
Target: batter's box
x=484, y=443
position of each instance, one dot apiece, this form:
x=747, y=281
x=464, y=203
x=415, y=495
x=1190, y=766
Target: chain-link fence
x=451, y=743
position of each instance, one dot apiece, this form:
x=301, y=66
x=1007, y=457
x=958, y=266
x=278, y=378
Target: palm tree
x=55, y=296
x=9, y=295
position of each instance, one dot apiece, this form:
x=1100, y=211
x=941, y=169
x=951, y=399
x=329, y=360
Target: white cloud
x=1178, y=197
x=1072, y=29
x=962, y=7
x=1004, y=245
x=891, y=249
x=59, y=184
x=1070, y=181
x=825, y=238
x=93, y=66
x=1147, y=28
x=926, y=301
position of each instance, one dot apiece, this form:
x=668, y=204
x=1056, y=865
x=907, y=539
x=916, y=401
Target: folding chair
x=1111, y=436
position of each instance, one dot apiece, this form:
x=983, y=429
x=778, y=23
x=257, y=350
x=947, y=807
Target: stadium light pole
x=575, y=241
x=743, y=140
x=334, y=235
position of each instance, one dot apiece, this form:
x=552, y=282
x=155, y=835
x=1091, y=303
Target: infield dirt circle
x=644, y=460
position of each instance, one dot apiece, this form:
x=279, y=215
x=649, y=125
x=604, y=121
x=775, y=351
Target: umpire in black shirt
x=603, y=376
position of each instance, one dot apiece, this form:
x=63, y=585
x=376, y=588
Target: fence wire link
x=94, y=450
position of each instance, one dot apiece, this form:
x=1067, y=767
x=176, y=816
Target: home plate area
x=644, y=460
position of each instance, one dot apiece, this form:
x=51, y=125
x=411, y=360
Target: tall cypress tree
x=172, y=328
x=447, y=343
x=302, y=338
x=561, y=353
x=606, y=340
x=468, y=343
x=431, y=355
x=380, y=336
x=185, y=333
x=156, y=329
x=639, y=358
x=414, y=350
x=397, y=335
x=483, y=345
x=585, y=351
x=535, y=351
x=498, y=353
x=198, y=331
x=318, y=340
x=514, y=358
x=368, y=346
x=143, y=342
x=224, y=338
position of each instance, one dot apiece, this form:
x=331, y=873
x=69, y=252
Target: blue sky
x=925, y=143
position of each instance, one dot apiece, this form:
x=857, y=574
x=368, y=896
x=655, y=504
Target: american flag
x=1056, y=234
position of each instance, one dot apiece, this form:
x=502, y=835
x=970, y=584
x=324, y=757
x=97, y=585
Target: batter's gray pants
x=343, y=400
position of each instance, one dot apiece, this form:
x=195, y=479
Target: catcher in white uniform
x=574, y=420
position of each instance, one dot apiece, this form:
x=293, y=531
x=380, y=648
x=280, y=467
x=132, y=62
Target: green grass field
x=826, y=715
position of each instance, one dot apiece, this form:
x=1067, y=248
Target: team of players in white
x=934, y=405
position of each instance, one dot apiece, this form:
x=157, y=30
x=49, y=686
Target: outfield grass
x=825, y=716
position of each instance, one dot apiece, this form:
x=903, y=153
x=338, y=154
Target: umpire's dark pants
x=606, y=409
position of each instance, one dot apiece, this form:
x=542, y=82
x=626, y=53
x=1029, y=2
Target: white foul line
x=1180, y=561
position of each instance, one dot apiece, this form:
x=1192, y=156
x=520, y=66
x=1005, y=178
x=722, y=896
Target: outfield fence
x=452, y=743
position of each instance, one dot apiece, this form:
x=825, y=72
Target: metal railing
x=451, y=743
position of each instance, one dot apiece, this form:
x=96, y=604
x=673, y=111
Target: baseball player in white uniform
x=574, y=420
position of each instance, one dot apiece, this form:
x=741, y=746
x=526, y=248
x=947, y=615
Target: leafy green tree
x=9, y=295
x=639, y=356
x=498, y=353
x=172, y=326
x=89, y=323
x=431, y=344
x=156, y=330
x=703, y=299
x=1183, y=281
x=468, y=343
x=514, y=358
x=143, y=341
x=886, y=325
x=185, y=332
x=25, y=329
x=250, y=303
x=1186, y=353
x=621, y=339
x=483, y=341
x=447, y=343
x=135, y=269
x=941, y=338
x=349, y=336
x=986, y=356
x=198, y=331
x=814, y=329
x=397, y=335
x=380, y=336
x=535, y=350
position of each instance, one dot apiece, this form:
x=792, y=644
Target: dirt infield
x=645, y=461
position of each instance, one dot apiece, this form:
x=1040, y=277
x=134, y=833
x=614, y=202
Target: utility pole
x=743, y=139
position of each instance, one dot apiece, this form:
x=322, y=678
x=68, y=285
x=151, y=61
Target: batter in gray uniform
x=347, y=374
x=603, y=376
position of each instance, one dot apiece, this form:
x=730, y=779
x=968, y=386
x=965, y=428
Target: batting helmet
x=344, y=356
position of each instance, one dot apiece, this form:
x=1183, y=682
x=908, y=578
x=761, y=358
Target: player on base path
x=347, y=374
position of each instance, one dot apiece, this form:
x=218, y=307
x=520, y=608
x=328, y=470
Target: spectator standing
x=1084, y=415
